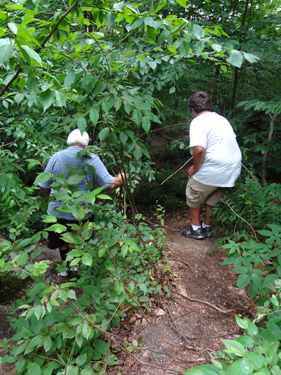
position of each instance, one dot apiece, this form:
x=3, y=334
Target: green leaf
x=3, y=179
x=256, y=359
x=110, y=19
x=246, y=341
x=82, y=125
x=32, y=162
x=145, y=124
x=6, y=50
x=47, y=98
x=104, y=196
x=87, y=259
x=240, y=269
x=137, y=152
x=123, y=137
x=234, y=347
x=143, y=288
x=69, y=79
x=216, y=47
x=265, y=232
x=100, y=346
x=47, y=344
x=103, y=134
x=124, y=250
x=241, y=367
x=71, y=238
x=243, y=281
x=50, y=219
x=182, y=3
x=94, y=116
x=37, y=288
x=75, y=179
x=60, y=98
x=32, y=83
x=86, y=331
x=235, y=58
x=81, y=359
x=253, y=290
x=251, y=58
x=100, y=87
x=256, y=279
x=57, y=228
x=72, y=370
x=269, y=279
x=136, y=24
x=203, y=370
x=31, y=53
x=271, y=352
x=184, y=48
x=241, y=322
x=33, y=369
x=119, y=288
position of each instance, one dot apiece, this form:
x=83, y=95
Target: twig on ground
x=180, y=333
x=161, y=225
x=205, y=302
x=183, y=261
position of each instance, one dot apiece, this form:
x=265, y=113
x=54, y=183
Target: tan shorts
x=197, y=193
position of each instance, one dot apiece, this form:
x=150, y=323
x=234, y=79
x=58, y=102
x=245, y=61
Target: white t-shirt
x=221, y=164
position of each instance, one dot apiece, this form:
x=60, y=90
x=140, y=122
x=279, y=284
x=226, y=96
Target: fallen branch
x=240, y=217
x=183, y=261
x=205, y=302
x=181, y=333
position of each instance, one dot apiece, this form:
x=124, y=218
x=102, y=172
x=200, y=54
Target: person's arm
x=118, y=180
x=198, y=154
x=45, y=192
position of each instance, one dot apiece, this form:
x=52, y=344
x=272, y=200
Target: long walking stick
x=177, y=170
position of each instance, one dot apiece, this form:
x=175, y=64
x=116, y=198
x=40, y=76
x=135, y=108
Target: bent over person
x=60, y=164
x=216, y=162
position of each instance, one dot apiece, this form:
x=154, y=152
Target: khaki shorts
x=197, y=193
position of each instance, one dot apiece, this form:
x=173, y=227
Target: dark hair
x=200, y=101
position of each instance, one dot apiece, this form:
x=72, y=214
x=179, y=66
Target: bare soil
x=182, y=331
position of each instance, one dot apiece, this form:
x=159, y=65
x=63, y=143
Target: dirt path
x=184, y=330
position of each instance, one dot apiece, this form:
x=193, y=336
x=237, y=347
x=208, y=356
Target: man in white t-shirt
x=216, y=162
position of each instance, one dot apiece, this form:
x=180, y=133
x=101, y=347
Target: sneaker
x=207, y=232
x=64, y=273
x=195, y=234
x=76, y=267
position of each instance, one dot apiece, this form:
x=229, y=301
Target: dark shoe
x=195, y=234
x=207, y=232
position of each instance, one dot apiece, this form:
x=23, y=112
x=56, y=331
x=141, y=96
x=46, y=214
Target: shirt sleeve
x=197, y=135
x=102, y=177
x=51, y=169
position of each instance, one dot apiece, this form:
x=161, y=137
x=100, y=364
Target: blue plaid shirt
x=57, y=166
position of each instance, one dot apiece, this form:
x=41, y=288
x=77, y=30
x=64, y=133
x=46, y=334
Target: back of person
x=221, y=164
x=63, y=161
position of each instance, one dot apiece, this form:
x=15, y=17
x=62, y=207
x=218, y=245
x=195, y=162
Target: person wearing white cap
x=60, y=164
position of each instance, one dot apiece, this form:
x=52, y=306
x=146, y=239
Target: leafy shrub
x=65, y=328
x=252, y=203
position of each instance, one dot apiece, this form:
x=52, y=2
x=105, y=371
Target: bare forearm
x=198, y=154
x=118, y=181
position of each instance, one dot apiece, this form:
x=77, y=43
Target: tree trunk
x=266, y=154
